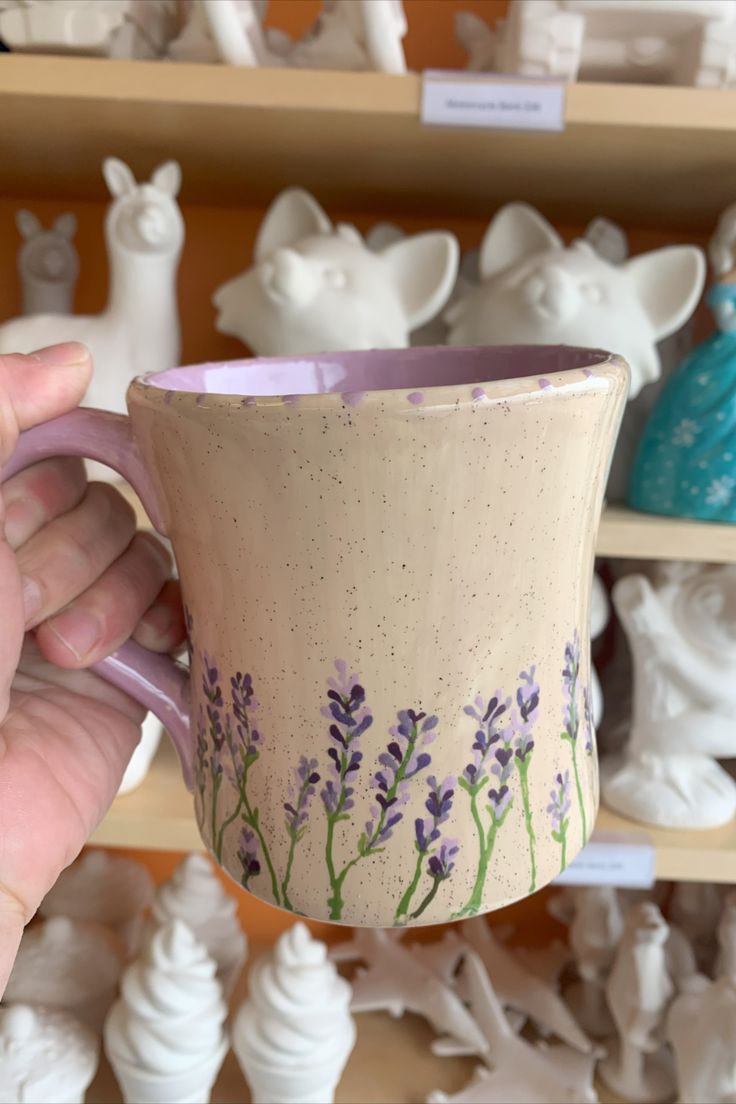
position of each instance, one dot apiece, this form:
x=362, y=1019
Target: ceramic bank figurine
x=294, y=1033
x=165, y=1035
x=45, y=1055
x=108, y=28
x=517, y=1071
x=701, y=1026
x=638, y=991
x=535, y=290
x=666, y=42
x=438, y=773
x=686, y=462
x=680, y=629
x=105, y=889
x=315, y=286
x=69, y=964
x=48, y=264
x=138, y=331
x=195, y=895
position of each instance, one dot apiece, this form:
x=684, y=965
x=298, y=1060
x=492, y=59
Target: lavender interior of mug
x=375, y=370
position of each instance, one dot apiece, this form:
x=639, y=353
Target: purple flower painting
x=571, y=691
x=588, y=719
x=302, y=789
x=493, y=762
x=248, y=855
x=523, y=719
x=434, y=853
x=559, y=813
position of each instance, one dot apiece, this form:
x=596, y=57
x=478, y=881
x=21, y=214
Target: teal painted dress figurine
x=686, y=461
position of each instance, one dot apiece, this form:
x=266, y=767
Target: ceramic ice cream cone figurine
x=195, y=895
x=45, y=1054
x=596, y=927
x=48, y=264
x=164, y=1036
x=294, y=1033
x=701, y=1026
x=104, y=889
x=315, y=286
x=638, y=991
x=68, y=964
x=680, y=629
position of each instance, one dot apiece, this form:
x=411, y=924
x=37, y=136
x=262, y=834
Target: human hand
x=76, y=580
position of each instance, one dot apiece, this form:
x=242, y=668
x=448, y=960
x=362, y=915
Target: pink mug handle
x=155, y=681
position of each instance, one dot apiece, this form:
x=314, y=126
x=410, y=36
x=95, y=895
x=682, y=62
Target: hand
x=76, y=580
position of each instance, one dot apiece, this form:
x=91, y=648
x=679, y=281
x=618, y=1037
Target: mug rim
x=588, y=366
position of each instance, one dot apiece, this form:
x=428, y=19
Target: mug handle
x=156, y=682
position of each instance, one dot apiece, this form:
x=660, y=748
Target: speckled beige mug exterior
x=387, y=588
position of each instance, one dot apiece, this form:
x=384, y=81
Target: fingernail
x=78, y=630
x=66, y=354
x=32, y=597
x=158, y=622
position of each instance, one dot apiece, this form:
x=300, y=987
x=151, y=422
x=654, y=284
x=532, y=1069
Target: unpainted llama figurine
x=48, y=264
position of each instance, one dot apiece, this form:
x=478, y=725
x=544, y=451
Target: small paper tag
x=615, y=860
x=493, y=101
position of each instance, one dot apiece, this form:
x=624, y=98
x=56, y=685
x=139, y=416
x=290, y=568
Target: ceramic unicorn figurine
x=315, y=286
x=139, y=329
x=534, y=290
x=681, y=633
x=48, y=264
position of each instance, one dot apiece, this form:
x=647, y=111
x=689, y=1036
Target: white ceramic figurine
x=680, y=629
x=701, y=1026
x=48, y=264
x=107, y=28
x=316, y=287
x=138, y=331
x=45, y=1054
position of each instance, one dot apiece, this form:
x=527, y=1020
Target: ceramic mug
x=386, y=559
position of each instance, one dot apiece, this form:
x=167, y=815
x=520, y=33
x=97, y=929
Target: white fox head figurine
x=536, y=291
x=316, y=287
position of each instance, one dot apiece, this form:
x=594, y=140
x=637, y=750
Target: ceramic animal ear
x=293, y=215
x=27, y=223
x=118, y=177
x=424, y=269
x=66, y=225
x=669, y=283
x=516, y=232
x=167, y=178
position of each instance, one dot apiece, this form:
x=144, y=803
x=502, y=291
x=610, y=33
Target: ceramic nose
x=290, y=278
x=552, y=294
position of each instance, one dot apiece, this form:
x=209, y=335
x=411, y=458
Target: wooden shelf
x=623, y=534
x=650, y=155
x=159, y=816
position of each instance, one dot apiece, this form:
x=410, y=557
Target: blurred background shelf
x=662, y=156
x=623, y=533
x=159, y=816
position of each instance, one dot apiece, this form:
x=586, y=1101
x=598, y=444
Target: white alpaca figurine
x=645, y=41
x=701, y=1026
x=316, y=287
x=681, y=634
x=48, y=264
x=138, y=331
x=638, y=991
x=294, y=1033
x=534, y=290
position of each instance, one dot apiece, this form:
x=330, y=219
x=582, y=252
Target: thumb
x=38, y=387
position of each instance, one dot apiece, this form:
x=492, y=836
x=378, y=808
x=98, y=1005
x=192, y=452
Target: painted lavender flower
x=430, y=847
x=302, y=789
x=523, y=719
x=350, y=717
x=201, y=757
x=401, y=762
x=559, y=810
x=248, y=855
x=213, y=693
x=589, y=727
x=493, y=761
x=571, y=716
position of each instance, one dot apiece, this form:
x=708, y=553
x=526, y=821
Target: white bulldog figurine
x=537, y=291
x=682, y=634
x=316, y=287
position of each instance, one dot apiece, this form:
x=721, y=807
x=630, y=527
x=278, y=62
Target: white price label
x=615, y=860
x=489, y=100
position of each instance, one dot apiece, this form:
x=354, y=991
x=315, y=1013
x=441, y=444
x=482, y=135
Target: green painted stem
x=523, y=770
x=285, y=883
x=217, y=782
x=563, y=857
x=405, y=901
x=224, y=827
x=251, y=818
x=428, y=899
x=579, y=789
